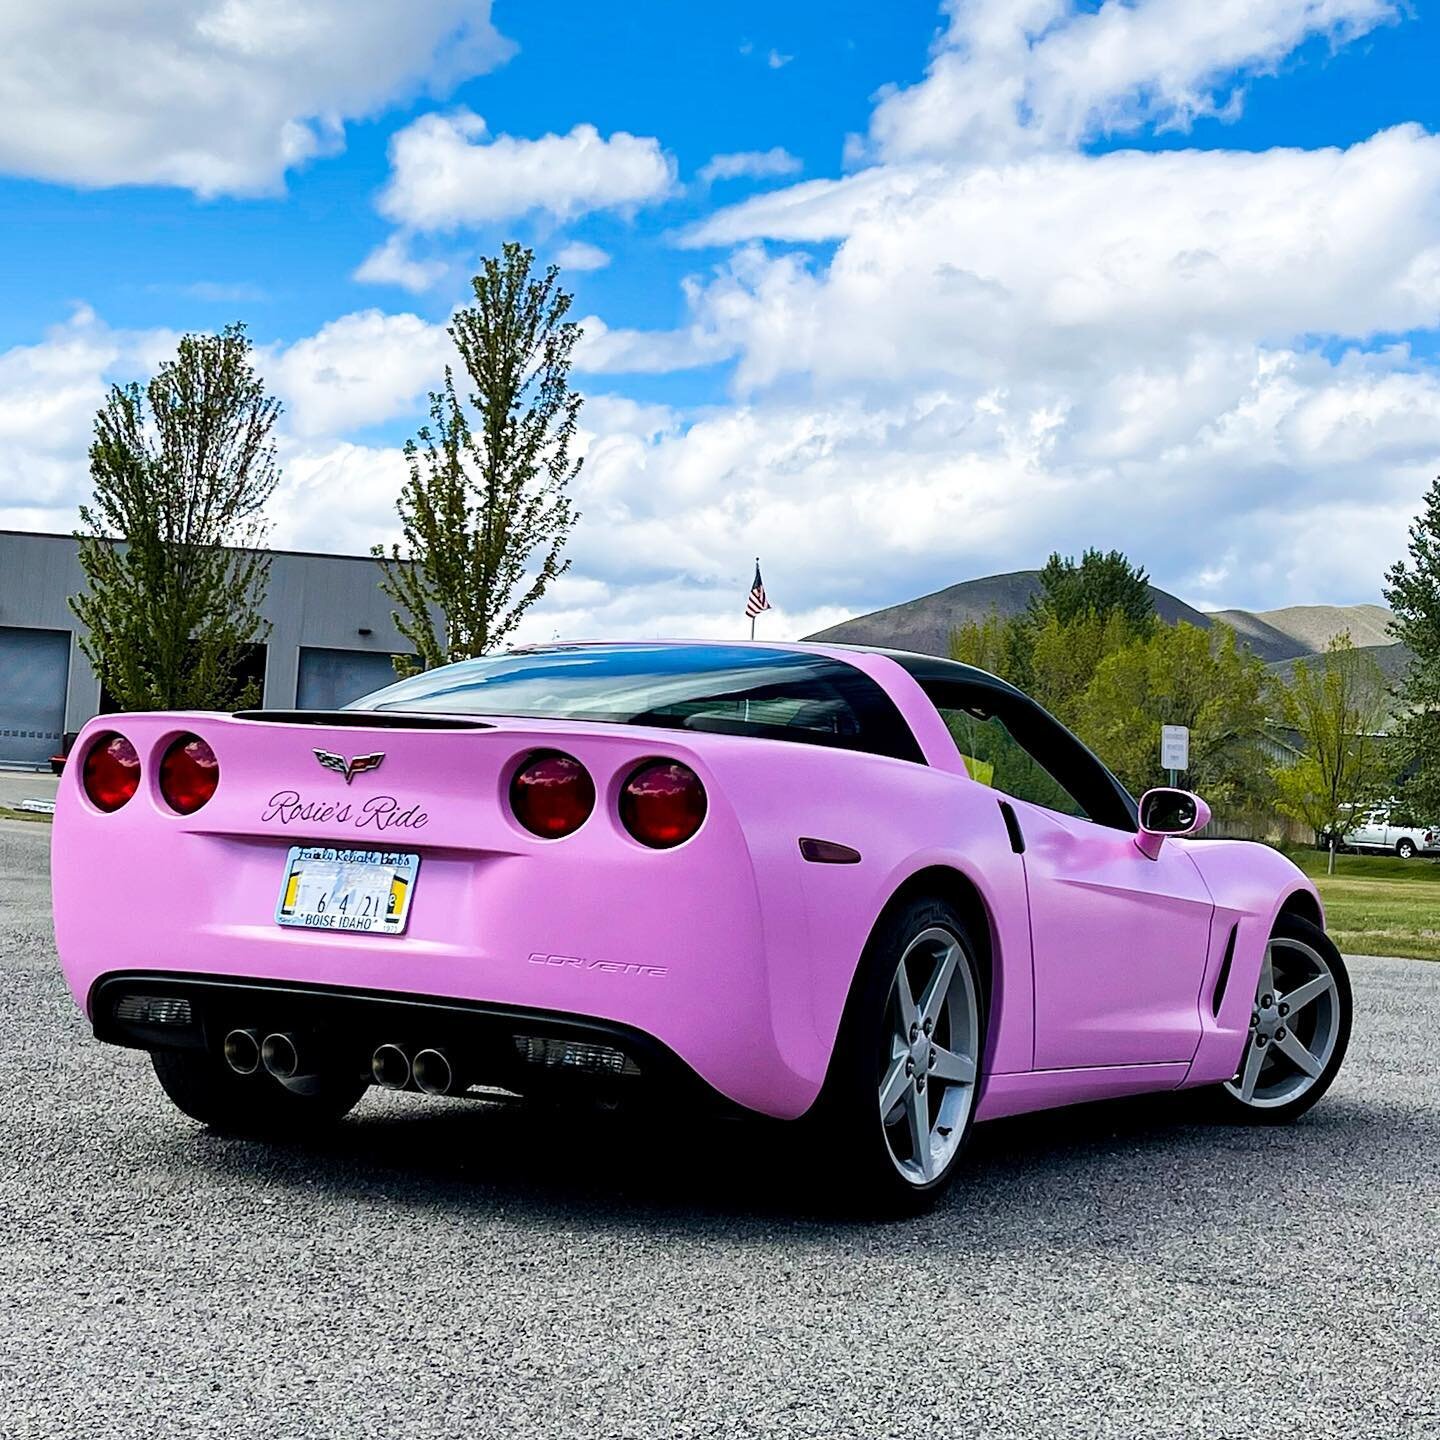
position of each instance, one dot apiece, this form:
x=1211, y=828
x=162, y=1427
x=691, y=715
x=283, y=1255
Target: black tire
x=1229, y=1106
x=1405, y=849
x=204, y=1087
x=845, y=1124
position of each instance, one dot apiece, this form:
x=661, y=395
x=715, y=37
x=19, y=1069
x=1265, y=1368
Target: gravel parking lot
x=448, y=1268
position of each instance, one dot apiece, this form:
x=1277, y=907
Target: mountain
x=1278, y=637
x=1307, y=629
x=924, y=625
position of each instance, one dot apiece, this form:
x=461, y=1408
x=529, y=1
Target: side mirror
x=1168, y=812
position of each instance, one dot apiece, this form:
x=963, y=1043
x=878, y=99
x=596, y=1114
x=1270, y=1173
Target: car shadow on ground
x=1115, y=1166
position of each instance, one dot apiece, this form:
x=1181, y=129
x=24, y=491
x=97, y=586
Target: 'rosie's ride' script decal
x=380, y=812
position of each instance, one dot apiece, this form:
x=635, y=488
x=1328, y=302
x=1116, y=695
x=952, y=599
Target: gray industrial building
x=331, y=639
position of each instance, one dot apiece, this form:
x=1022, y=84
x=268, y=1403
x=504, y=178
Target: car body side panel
x=1250, y=884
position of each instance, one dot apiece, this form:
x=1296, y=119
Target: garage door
x=332, y=678
x=34, y=671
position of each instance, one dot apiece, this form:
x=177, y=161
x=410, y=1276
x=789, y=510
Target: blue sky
x=1082, y=274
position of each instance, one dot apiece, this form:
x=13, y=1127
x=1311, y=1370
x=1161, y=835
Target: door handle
x=1012, y=825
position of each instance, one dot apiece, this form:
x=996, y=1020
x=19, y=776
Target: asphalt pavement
x=451, y=1268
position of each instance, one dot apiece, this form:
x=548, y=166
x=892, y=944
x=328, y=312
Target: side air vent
x=1222, y=980
x=363, y=719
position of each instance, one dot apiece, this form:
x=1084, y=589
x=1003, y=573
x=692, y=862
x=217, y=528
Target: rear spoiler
x=364, y=719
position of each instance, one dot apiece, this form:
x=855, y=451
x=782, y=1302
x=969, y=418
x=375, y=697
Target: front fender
x=1251, y=884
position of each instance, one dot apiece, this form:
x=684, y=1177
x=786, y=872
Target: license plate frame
x=349, y=883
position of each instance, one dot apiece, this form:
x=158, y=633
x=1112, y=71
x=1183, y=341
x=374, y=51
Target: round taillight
x=112, y=771
x=552, y=795
x=189, y=774
x=663, y=804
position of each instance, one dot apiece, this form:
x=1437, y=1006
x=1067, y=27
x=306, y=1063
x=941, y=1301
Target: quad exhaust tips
x=242, y=1051
x=390, y=1067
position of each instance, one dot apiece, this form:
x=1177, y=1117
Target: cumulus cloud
x=447, y=170
x=219, y=96
x=1012, y=76
x=756, y=164
x=578, y=255
x=357, y=371
x=392, y=263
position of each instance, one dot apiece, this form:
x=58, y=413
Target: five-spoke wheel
x=1299, y=1024
x=900, y=1099
x=927, y=1083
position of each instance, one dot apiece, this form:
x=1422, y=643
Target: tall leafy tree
x=486, y=511
x=1081, y=613
x=182, y=470
x=1100, y=584
x=1412, y=591
x=1182, y=675
x=1337, y=702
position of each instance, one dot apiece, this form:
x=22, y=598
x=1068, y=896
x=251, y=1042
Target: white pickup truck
x=1376, y=832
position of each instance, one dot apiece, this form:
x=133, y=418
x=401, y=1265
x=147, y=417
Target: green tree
x=182, y=470
x=1065, y=654
x=1100, y=584
x=1412, y=591
x=998, y=643
x=486, y=511
x=1181, y=675
x=1337, y=703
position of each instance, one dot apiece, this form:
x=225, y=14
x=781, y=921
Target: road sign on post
x=1174, y=748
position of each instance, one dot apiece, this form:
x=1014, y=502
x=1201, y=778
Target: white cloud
x=776, y=61
x=392, y=263
x=216, y=96
x=603, y=351
x=962, y=271
x=359, y=370
x=446, y=171
x=1012, y=76
x=758, y=164
x=578, y=255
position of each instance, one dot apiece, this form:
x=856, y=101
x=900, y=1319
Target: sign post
x=1174, y=749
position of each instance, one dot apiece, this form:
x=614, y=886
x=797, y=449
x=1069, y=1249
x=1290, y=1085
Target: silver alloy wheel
x=1293, y=1026
x=927, y=1085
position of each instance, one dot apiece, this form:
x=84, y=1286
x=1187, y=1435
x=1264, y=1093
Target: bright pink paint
x=730, y=948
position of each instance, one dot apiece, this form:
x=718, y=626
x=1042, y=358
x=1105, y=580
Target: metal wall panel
x=34, y=673
x=331, y=678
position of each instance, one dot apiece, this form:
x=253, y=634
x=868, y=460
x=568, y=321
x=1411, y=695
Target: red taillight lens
x=189, y=774
x=552, y=795
x=112, y=771
x=663, y=804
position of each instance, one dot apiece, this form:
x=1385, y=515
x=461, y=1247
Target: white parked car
x=1377, y=832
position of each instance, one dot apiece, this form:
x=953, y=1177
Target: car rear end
x=357, y=880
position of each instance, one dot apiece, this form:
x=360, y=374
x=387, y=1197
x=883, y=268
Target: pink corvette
x=881, y=895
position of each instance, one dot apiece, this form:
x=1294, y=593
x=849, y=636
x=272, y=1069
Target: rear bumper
x=350, y=1024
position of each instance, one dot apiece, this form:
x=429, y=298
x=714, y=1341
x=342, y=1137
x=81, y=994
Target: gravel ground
x=447, y=1268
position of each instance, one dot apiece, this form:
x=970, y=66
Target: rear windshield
x=725, y=689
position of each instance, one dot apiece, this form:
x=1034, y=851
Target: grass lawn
x=1378, y=904
x=8, y=814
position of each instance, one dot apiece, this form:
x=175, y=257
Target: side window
x=994, y=757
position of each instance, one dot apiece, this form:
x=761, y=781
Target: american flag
x=757, y=601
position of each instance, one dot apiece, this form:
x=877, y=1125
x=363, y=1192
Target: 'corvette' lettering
x=607, y=967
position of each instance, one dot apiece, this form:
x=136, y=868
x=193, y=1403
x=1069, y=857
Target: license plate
x=366, y=892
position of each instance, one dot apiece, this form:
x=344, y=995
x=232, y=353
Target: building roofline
x=244, y=549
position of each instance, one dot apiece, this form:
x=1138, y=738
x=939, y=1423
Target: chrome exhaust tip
x=390, y=1067
x=281, y=1055
x=433, y=1072
x=242, y=1051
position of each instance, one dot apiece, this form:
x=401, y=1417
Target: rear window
x=725, y=689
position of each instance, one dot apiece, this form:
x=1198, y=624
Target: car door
x=1119, y=941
